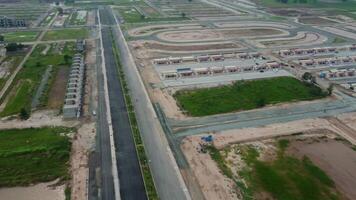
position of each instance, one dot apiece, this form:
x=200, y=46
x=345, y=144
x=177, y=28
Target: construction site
x=178, y=99
x=196, y=70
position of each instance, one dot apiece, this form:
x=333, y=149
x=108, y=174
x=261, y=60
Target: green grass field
x=131, y=15
x=245, y=95
x=33, y=155
x=66, y=34
x=20, y=36
x=332, y=8
x=29, y=77
x=286, y=177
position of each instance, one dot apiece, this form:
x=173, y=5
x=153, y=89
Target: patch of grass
x=246, y=95
x=33, y=155
x=289, y=178
x=20, y=36
x=220, y=161
x=317, y=172
x=19, y=100
x=338, y=40
x=131, y=15
x=66, y=34
x=29, y=77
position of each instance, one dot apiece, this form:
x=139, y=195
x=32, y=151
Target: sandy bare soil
x=82, y=142
x=208, y=175
x=42, y=191
x=302, y=38
x=183, y=48
x=337, y=159
x=213, y=184
x=253, y=24
x=90, y=99
x=57, y=92
x=149, y=30
x=219, y=34
x=38, y=119
x=315, y=20
x=91, y=18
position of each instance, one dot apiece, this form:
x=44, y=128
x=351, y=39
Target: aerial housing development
x=177, y=99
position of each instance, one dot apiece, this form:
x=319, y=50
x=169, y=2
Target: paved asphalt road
x=130, y=177
x=168, y=180
x=107, y=191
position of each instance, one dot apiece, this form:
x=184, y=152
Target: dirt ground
x=43, y=191
x=82, y=143
x=38, y=119
x=91, y=18
x=315, y=20
x=162, y=47
x=90, y=98
x=148, y=30
x=218, y=34
x=302, y=38
x=213, y=184
x=207, y=173
x=57, y=92
x=336, y=158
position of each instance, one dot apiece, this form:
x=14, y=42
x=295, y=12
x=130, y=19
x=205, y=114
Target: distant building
x=7, y=22
x=2, y=50
x=73, y=99
x=80, y=45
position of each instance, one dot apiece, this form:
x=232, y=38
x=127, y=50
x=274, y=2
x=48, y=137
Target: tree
x=330, y=89
x=66, y=59
x=261, y=102
x=60, y=10
x=183, y=14
x=2, y=38
x=24, y=115
x=307, y=76
x=14, y=47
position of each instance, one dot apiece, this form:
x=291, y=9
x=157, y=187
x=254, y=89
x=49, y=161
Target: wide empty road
x=130, y=177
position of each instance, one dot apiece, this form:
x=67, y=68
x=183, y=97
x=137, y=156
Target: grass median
x=246, y=95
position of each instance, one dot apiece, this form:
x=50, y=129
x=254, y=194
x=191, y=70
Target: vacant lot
x=66, y=34
x=131, y=15
x=30, y=156
x=29, y=77
x=57, y=92
x=269, y=172
x=245, y=95
x=23, y=36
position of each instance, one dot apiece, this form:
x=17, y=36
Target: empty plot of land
x=216, y=34
x=336, y=158
x=245, y=95
x=149, y=30
x=315, y=21
x=340, y=32
x=65, y=34
x=164, y=47
x=57, y=92
x=301, y=39
x=20, y=36
x=264, y=24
